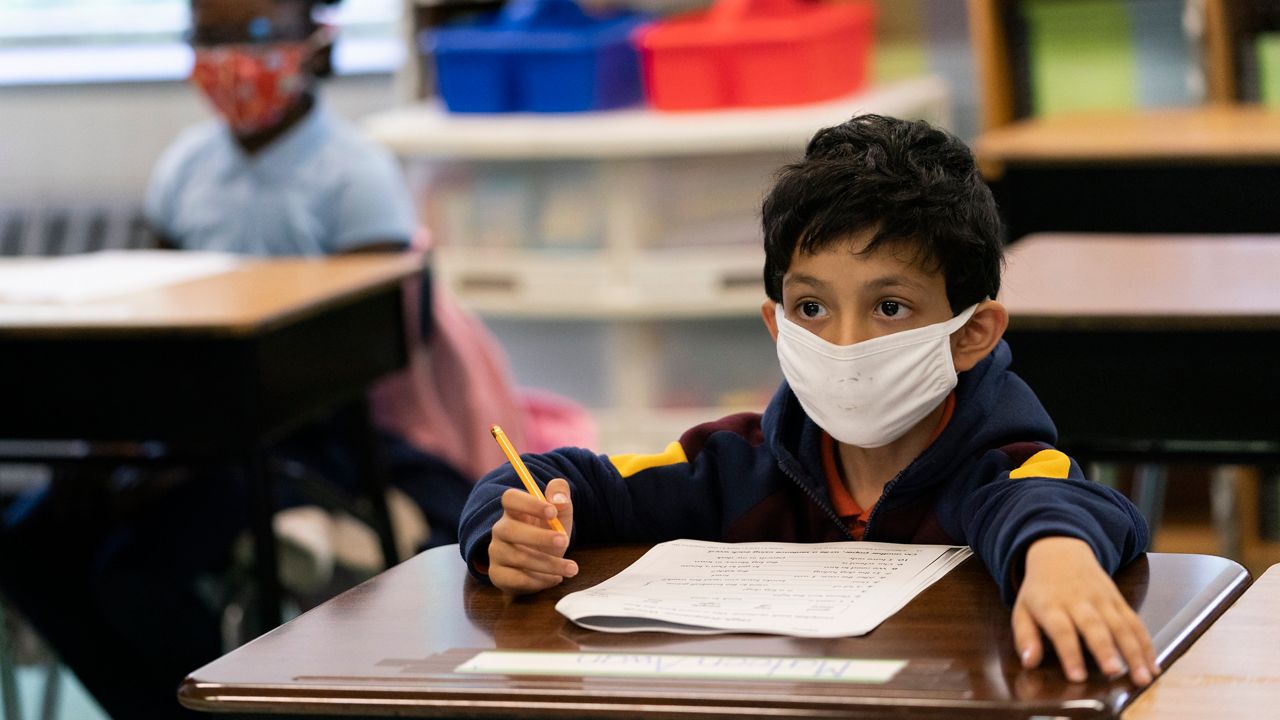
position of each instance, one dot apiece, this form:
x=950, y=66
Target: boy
x=279, y=173
x=882, y=262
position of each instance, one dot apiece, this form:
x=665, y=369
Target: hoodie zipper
x=888, y=487
x=782, y=465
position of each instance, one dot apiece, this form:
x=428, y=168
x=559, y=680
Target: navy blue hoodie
x=990, y=480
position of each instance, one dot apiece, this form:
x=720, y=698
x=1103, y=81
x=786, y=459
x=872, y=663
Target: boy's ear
x=979, y=336
x=770, y=320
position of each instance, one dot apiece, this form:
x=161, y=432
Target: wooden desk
x=1232, y=671
x=1207, y=170
x=390, y=646
x=1150, y=345
x=224, y=365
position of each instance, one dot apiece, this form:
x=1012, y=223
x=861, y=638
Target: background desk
x=1208, y=170
x=389, y=646
x=1232, y=671
x=1151, y=345
x=221, y=366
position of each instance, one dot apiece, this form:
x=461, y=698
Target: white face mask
x=870, y=393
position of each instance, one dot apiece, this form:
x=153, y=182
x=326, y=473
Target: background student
x=899, y=419
x=279, y=173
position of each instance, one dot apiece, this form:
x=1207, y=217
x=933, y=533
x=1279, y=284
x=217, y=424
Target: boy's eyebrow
x=805, y=279
x=888, y=281
x=875, y=285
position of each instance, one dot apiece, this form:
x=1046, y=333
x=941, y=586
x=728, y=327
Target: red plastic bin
x=757, y=53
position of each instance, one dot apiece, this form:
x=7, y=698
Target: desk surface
x=256, y=296
x=1232, y=671
x=1243, y=134
x=390, y=646
x=1143, y=281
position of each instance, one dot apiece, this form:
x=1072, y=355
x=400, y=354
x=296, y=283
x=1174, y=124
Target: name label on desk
x=719, y=667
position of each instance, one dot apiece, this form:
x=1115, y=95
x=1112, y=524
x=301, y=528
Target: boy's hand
x=1066, y=593
x=525, y=554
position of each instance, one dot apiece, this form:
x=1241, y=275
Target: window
x=73, y=41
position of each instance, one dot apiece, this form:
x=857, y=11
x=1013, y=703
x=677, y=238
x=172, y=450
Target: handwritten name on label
x=727, y=667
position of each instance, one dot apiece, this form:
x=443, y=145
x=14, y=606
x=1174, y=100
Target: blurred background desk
x=1202, y=170
x=218, y=367
x=1150, y=343
x=390, y=646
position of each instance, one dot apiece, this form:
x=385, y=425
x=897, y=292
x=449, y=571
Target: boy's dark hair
x=916, y=184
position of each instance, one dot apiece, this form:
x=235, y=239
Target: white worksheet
x=95, y=276
x=804, y=589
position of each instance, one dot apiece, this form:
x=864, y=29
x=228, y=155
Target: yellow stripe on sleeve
x=631, y=463
x=1046, y=463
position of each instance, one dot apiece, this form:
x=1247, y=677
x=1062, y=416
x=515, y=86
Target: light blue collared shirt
x=320, y=188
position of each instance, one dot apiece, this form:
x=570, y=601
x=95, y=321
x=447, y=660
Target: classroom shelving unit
x=1219, y=26
x=1141, y=169
x=645, y=298
x=615, y=254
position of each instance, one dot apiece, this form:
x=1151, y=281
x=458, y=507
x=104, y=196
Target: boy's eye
x=811, y=309
x=890, y=308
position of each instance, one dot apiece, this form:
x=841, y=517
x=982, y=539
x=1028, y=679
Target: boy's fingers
x=1135, y=645
x=1099, y=638
x=512, y=531
x=1026, y=637
x=516, y=581
x=526, y=518
x=558, y=486
x=1062, y=633
x=558, y=495
x=520, y=557
x=514, y=500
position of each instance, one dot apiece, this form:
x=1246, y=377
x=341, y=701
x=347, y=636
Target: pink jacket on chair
x=458, y=384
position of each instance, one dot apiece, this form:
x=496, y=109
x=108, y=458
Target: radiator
x=68, y=228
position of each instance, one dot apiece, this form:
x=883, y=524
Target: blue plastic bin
x=537, y=56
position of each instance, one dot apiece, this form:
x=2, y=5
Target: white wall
x=100, y=141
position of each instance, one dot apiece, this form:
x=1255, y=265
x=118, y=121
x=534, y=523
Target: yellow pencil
x=529, y=484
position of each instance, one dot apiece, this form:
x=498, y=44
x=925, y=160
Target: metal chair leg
x=1149, y=483
x=1105, y=473
x=52, y=691
x=1224, y=508
x=12, y=700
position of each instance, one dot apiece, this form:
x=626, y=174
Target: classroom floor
x=74, y=702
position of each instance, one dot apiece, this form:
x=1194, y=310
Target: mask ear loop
x=325, y=34
x=319, y=49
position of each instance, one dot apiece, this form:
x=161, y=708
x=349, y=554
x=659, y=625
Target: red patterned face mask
x=252, y=86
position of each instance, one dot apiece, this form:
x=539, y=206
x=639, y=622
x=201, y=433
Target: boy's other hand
x=1067, y=594
x=525, y=554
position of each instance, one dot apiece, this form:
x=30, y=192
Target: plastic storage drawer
x=537, y=56
x=755, y=53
